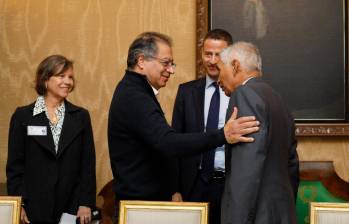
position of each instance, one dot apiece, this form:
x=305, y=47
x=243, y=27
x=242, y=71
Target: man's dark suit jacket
x=141, y=142
x=188, y=117
x=51, y=183
x=258, y=185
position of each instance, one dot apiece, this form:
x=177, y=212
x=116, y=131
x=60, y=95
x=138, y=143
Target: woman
x=51, y=155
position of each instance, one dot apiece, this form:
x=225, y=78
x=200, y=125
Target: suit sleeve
x=16, y=156
x=247, y=167
x=88, y=163
x=293, y=163
x=178, y=112
x=179, y=126
x=150, y=125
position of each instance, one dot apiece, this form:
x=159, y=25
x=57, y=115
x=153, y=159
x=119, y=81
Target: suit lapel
x=45, y=141
x=72, y=126
x=157, y=102
x=199, y=99
x=151, y=92
x=142, y=80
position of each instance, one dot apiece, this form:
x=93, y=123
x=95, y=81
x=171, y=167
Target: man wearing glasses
x=141, y=143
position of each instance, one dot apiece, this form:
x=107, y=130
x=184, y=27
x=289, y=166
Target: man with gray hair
x=262, y=176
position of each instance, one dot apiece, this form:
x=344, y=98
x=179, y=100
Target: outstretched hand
x=236, y=128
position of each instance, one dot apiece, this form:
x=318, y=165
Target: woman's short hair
x=50, y=66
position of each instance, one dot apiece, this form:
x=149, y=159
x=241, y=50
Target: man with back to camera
x=259, y=175
x=201, y=177
x=141, y=143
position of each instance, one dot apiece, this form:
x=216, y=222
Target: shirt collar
x=247, y=80
x=156, y=92
x=40, y=106
x=209, y=81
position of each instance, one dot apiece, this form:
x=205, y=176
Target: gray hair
x=246, y=53
x=145, y=44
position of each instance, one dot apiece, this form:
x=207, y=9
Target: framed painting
x=304, y=53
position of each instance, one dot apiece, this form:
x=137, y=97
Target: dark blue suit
x=188, y=116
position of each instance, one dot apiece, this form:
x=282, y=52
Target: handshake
x=235, y=128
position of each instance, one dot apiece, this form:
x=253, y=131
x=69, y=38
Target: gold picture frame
x=10, y=209
x=159, y=212
x=329, y=213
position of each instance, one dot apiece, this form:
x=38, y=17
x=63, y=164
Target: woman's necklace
x=54, y=118
x=52, y=110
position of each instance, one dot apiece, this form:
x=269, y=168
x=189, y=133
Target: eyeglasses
x=166, y=63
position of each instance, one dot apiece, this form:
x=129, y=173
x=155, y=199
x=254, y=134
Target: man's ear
x=236, y=66
x=140, y=61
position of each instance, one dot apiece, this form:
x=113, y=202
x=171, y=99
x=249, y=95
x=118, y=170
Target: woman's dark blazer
x=51, y=183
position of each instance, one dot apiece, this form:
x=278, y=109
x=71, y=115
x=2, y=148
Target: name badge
x=37, y=130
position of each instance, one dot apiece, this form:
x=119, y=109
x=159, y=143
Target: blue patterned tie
x=211, y=124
